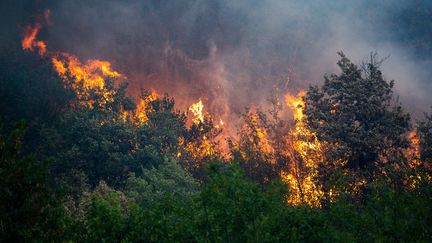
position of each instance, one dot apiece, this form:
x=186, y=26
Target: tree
x=94, y=142
x=30, y=90
x=424, y=132
x=254, y=150
x=356, y=118
x=28, y=208
x=156, y=184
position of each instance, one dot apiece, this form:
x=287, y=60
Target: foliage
x=139, y=173
x=28, y=208
x=424, y=131
x=167, y=181
x=361, y=129
x=354, y=114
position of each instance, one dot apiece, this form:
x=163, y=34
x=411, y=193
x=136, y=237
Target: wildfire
x=92, y=74
x=80, y=77
x=197, y=111
x=144, y=107
x=85, y=77
x=29, y=41
x=296, y=104
x=220, y=124
x=413, y=155
x=300, y=178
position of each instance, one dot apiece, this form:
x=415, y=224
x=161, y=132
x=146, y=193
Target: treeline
x=351, y=167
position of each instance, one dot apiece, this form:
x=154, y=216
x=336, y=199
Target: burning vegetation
x=132, y=166
x=299, y=162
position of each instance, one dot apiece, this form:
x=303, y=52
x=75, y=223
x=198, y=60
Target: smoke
x=232, y=54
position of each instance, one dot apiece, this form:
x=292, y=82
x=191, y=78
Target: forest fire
x=197, y=111
x=92, y=74
x=92, y=81
x=306, y=154
x=85, y=77
x=172, y=121
x=91, y=77
x=29, y=41
x=82, y=78
x=144, y=107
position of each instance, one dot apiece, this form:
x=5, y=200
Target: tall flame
x=300, y=178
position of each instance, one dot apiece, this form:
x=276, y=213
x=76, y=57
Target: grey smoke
x=232, y=53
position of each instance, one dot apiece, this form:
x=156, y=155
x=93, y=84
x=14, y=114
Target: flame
x=297, y=104
x=220, y=124
x=414, y=162
x=144, y=107
x=197, y=111
x=263, y=141
x=413, y=152
x=29, y=41
x=83, y=78
x=198, y=151
x=92, y=74
x=301, y=176
x=256, y=137
x=80, y=77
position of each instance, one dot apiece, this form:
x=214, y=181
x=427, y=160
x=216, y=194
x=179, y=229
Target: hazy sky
x=231, y=53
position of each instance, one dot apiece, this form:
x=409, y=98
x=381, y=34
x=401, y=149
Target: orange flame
x=144, y=107
x=29, y=41
x=81, y=77
x=85, y=77
x=300, y=178
x=92, y=74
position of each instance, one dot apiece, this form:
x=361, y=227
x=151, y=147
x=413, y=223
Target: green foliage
x=424, y=132
x=228, y=206
x=158, y=137
x=105, y=215
x=29, y=89
x=28, y=209
x=387, y=215
x=167, y=181
x=96, y=143
x=356, y=119
x=124, y=182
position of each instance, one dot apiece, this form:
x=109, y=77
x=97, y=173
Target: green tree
x=424, y=132
x=30, y=90
x=28, y=208
x=355, y=117
x=168, y=180
x=103, y=216
x=97, y=143
x=254, y=151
